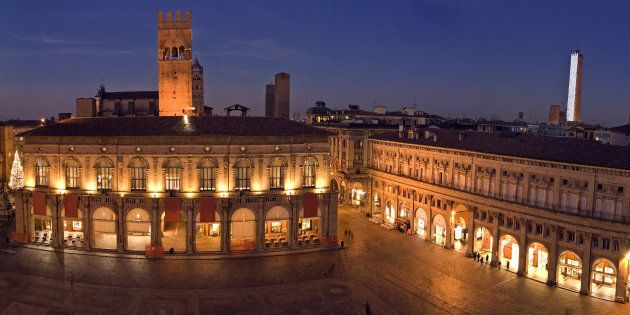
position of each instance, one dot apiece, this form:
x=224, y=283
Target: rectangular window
x=276, y=177
x=605, y=243
x=42, y=174
x=358, y=150
x=72, y=177
x=309, y=175
x=207, y=179
x=243, y=181
x=104, y=178
x=570, y=237
x=138, y=179
x=172, y=178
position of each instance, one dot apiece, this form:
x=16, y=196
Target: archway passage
x=569, y=271
x=390, y=212
x=138, y=224
x=42, y=227
x=460, y=234
x=604, y=279
x=483, y=243
x=439, y=230
x=508, y=253
x=73, y=230
x=277, y=226
x=173, y=233
x=104, y=232
x=422, y=223
x=208, y=234
x=358, y=194
x=309, y=229
x=537, y=262
x=243, y=230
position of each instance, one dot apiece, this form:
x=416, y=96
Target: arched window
x=182, y=54
x=172, y=174
x=167, y=54
x=137, y=170
x=174, y=52
x=72, y=174
x=309, y=173
x=242, y=170
x=104, y=174
x=42, y=173
x=207, y=175
x=276, y=174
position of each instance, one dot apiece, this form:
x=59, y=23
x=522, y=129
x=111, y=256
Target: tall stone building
x=574, y=98
x=175, y=64
x=277, y=96
x=197, y=87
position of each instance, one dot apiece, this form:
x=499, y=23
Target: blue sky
x=475, y=58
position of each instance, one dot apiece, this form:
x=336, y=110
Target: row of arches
x=174, y=53
x=137, y=231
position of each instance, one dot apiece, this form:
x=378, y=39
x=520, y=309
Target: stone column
x=158, y=221
x=155, y=223
x=57, y=225
x=293, y=223
x=448, y=242
x=87, y=215
x=470, y=234
x=585, y=287
x=552, y=258
x=622, y=278
x=522, y=248
x=120, y=216
x=190, y=224
x=260, y=228
x=225, y=230
x=495, y=243
x=429, y=225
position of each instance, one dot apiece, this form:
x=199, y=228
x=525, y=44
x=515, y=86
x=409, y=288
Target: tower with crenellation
x=175, y=64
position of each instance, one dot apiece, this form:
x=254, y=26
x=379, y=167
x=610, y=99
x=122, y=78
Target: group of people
x=478, y=257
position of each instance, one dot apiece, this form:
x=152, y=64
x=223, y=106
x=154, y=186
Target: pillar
x=86, y=227
x=522, y=248
x=622, y=279
x=429, y=225
x=260, y=228
x=552, y=262
x=293, y=227
x=56, y=224
x=470, y=234
x=448, y=240
x=585, y=286
x=120, y=233
x=190, y=222
x=225, y=231
x=155, y=224
x=495, y=243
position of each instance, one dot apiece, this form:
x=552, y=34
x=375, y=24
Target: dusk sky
x=456, y=58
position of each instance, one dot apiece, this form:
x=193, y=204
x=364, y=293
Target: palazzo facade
x=177, y=184
x=553, y=209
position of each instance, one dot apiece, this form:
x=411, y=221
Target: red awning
x=310, y=205
x=173, y=209
x=70, y=205
x=39, y=203
x=207, y=207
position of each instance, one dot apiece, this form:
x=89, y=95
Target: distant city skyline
x=489, y=59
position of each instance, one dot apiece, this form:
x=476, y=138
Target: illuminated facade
x=575, y=87
x=550, y=207
x=193, y=184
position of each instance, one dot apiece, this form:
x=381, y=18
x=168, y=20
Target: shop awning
x=70, y=205
x=310, y=205
x=173, y=209
x=207, y=207
x=39, y=203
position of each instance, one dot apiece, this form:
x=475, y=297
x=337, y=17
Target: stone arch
x=390, y=211
x=138, y=161
x=207, y=161
x=439, y=229
x=603, y=282
x=208, y=234
x=422, y=224
x=138, y=229
x=172, y=162
x=243, y=228
x=537, y=261
x=509, y=251
x=569, y=273
x=277, y=227
x=73, y=160
x=104, y=228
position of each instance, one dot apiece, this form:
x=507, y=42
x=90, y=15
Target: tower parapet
x=168, y=21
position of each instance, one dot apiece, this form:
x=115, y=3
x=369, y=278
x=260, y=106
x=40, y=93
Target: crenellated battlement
x=168, y=21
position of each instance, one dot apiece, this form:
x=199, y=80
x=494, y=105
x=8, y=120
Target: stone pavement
x=396, y=273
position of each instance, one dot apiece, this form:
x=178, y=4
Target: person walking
x=481, y=261
x=499, y=265
x=487, y=258
x=507, y=265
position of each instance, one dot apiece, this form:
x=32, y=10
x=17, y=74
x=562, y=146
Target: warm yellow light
x=90, y=186
x=222, y=187
x=628, y=255
x=122, y=195
x=452, y=212
x=224, y=194
x=190, y=195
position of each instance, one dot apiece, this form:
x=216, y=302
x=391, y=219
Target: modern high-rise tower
x=575, y=87
x=197, y=87
x=174, y=64
x=277, y=96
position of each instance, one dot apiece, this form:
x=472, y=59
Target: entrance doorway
x=537, y=262
x=243, y=230
x=508, y=252
x=138, y=224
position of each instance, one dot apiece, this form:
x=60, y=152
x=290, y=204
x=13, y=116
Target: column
x=225, y=231
x=190, y=222
x=159, y=224
x=429, y=225
x=470, y=233
x=87, y=215
x=522, y=248
x=260, y=228
x=585, y=287
x=495, y=242
x=448, y=242
x=293, y=228
x=120, y=206
x=57, y=225
x=155, y=223
x=552, y=263
x=622, y=278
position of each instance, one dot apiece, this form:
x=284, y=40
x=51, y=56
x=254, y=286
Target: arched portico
x=569, y=271
x=73, y=229
x=104, y=229
x=173, y=232
x=439, y=230
x=208, y=234
x=483, y=243
x=508, y=252
x=358, y=194
x=138, y=227
x=277, y=227
x=604, y=279
x=422, y=223
x=42, y=226
x=243, y=230
x=309, y=229
x=390, y=212
x=537, y=262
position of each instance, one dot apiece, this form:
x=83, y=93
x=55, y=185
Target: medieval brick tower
x=197, y=88
x=175, y=64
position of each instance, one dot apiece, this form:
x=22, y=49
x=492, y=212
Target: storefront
x=41, y=215
x=309, y=229
x=277, y=226
x=138, y=225
x=104, y=230
x=73, y=229
x=604, y=279
x=537, y=260
x=569, y=271
x=208, y=234
x=421, y=223
x=243, y=230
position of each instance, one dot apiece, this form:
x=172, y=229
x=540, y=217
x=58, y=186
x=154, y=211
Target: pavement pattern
x=390, y=272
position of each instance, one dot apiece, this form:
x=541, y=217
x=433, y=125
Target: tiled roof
x=22, y=123
x=175, y=126
x=557, y=149
x=623, y=128
x=127, y=95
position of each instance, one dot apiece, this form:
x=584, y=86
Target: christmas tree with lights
x=16, y=180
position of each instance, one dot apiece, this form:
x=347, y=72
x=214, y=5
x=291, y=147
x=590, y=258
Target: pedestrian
x=481, y=260
x=171, y=250
x=507, y=265
x=487, y=258
x=499, y=265
x=341, y=244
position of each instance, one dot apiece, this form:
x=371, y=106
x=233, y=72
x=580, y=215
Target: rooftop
x=557, y=149
x=174, y=126
x=130, y=95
